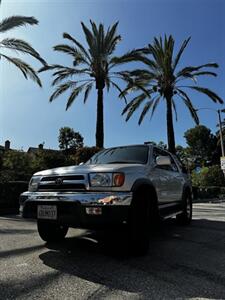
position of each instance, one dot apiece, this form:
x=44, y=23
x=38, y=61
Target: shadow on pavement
x=20, y=251
x=12, y=289
x=182, y=261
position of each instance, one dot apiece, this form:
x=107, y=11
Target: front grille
x=62, y=183
x=71, y=177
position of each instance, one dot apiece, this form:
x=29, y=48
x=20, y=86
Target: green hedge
x=9, y=196
x=208, y=192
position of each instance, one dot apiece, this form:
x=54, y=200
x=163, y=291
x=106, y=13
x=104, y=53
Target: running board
x=172, y=215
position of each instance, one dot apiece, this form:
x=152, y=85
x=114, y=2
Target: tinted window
x=123, y=155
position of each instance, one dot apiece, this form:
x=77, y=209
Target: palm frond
x=213, y=96
x=190, y=69
x=88, y=35
x=82, y=49
x=133, y=105
x=189, y=105
x=77, y=55
x=127, y=57
x=21, y=46
x=174, y=109
x=51, y=67
x=65, y=49
x=180, y=52
x=146, y=108
x=27, y=70
x=156, y=102
x=16, y=21
x=111, y=39
x=121, y=95
x=73, y=95
x=61, y=89
x=87, y=92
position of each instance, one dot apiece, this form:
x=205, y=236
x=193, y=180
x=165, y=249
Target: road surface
x=182, y=263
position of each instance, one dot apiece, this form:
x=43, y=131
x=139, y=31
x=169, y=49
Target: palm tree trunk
x=170, y=130
x=100, y=120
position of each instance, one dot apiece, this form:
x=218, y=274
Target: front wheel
x=51, y=232
x=141, y=221
x=186, y=216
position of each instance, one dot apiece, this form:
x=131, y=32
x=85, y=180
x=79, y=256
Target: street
x=182, y=263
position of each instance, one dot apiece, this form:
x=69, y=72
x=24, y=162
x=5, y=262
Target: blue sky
x=28, y=119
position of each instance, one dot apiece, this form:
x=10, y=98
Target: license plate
x=48, y=212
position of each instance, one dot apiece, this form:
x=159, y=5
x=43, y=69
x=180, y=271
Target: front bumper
x=72, y=207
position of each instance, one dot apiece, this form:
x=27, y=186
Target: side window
x=158, y=152
x=173, y=165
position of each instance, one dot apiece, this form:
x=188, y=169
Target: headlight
x=33, y=184
x=106, y=179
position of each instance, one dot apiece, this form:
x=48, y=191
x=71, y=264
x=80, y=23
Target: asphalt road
x=182, y=263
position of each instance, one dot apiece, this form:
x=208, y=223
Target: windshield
x=121, y=155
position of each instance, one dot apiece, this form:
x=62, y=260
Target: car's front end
x=93, y=194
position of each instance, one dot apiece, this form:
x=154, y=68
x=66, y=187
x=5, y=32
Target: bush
x=9, y=195
x=16, y=165
x=209, y=176
x=43, y=160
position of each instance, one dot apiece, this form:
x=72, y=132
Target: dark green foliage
x=209, y=176
x=69, y=139
x=9, y=196
x=202, y=144
x=48, y=159
x=84, y=154
x=16, y=165
x=161, y=80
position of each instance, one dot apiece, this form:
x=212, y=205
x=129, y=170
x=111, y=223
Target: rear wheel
x=51, y=232
x=186, y=216
x=141, y=221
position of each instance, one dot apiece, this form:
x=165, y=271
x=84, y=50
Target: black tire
x=141, y=221
x=186, y=216
x=51, y=232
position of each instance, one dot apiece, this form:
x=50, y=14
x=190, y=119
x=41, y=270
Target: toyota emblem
x=59, y=181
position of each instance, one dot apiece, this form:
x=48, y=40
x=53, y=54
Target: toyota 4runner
x=134, y=186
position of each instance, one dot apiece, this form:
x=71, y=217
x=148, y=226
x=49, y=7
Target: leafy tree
x=69, y=139
x=160, y=144
x=162, y=81
x=91, y=66
x=84, y=154
x=19, y=46
x=202, y=143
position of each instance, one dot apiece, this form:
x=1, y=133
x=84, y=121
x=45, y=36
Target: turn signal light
x=118, y=179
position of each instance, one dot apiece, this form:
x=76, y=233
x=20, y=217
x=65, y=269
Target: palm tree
x=20, y=46
x=162, y=81
x=91, y=66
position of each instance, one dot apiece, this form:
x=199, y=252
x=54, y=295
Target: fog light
x=93, y=210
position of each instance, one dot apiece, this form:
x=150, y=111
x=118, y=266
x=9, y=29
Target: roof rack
x=147, y=143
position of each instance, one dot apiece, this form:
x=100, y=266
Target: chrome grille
x=62, y=183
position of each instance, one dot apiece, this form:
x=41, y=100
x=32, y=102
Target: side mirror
x=163, y=161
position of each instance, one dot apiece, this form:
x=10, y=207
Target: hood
x=85, y=169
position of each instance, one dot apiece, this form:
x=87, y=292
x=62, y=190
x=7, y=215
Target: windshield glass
x=121, y=155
